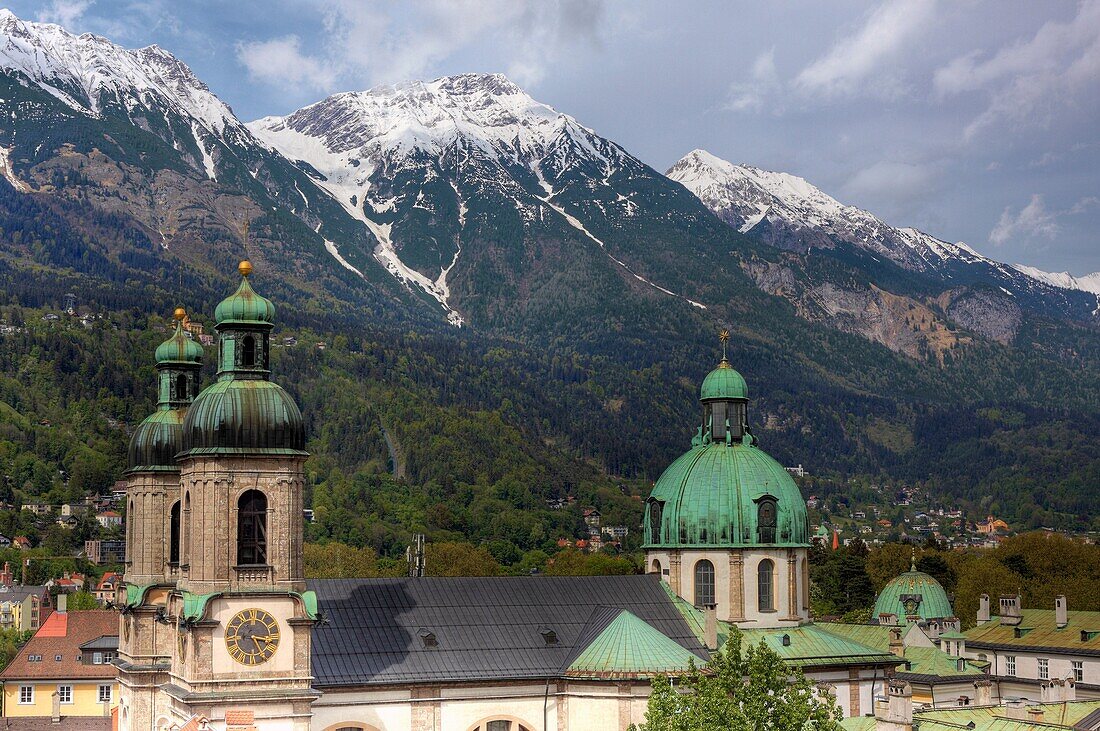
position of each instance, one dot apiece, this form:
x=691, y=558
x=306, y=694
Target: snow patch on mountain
x=8, y=173
x=1065, y=280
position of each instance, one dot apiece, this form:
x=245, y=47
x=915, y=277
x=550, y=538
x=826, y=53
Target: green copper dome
x=727, y=495
x=244, y=305
x=724, y=383
x=156, y=441
x=179, y=348
x=244, y=416
x=914, y=593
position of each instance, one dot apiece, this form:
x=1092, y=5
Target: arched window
x=766, y=520
x=655, y=567
x=765, y=586
x=654, y=521
x=181, y=387
x=704, y=583
x=174, y=534
x=252, y=528
x=185, y=526
x=500, y=724
x=248, y=351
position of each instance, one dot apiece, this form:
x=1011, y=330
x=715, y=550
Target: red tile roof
x=62, y=634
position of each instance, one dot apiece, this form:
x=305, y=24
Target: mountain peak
x=89, y=72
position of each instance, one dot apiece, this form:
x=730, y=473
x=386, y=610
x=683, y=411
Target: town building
x=1029, y=647
x=64, y=671
x=99, y=551
x=22, y=608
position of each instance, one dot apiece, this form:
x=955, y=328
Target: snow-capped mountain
x=94, y=76
x=460, y=148
x=1065, y=280
x=786, y=211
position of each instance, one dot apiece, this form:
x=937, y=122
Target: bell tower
x=240, y=611
x=153, y=530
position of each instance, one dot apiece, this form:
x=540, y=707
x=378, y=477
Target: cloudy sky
x=974, y=120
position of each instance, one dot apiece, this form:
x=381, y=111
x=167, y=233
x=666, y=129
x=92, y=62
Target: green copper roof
x=237, y=416
x=930, y=661
x=724, y=383
x=629, y=647
x=245, y=306
x=811, y=646
x=914, y=593
x=179, y=348
x=712, y=495
x=156, y=441
x=1039, y=628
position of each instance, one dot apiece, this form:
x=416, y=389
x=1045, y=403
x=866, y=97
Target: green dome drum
x=156, y=441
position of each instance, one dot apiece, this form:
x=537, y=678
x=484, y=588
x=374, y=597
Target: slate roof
x=381, y=631
x=1038, y=629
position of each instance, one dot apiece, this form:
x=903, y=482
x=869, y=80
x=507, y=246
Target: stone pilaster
x=674, y=572
x=792, y=586
x=737, y=587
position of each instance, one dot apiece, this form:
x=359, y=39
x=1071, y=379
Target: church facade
x=220, y=629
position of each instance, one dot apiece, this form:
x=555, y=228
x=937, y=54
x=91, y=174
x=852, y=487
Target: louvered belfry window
x=252, y=529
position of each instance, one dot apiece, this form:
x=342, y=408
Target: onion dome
x=179, y=348
x=726, y=491
x=244, y=416
x=243, y=412
x=914, y=597
x=156, y=441
x=244, y=305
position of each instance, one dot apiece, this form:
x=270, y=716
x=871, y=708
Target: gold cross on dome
x=724, y=337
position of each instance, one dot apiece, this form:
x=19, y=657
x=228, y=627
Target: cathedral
x=220, y=629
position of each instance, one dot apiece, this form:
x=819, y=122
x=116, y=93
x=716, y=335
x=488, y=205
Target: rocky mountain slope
x=787, y=212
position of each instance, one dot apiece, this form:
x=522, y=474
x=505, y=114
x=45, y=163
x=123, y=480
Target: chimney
x=1035, y=714
x=888, y=618
x=56, y=717
x=1069, y=690
x=899, y=708
x=897, y=646
x=1010, y=609
x=1052, y=691
x=62, y=602
x=1061, y=611
x=983, y=693
x=710, y=629
x=983, y=609
x=6, y=575
x=1016, y=708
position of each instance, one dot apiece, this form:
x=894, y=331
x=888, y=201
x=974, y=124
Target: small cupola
x=725, y=397
x=244, y=322
x=158, y=438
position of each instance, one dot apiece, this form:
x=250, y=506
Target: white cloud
x=1029, y=79
x=65, y=13
x=901, y=182
x=861, y=61
x=368, y=43
x=1033, y=220
x=762, y=83
x=281, y=61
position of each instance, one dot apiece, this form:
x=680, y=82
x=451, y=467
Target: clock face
x=252, y=636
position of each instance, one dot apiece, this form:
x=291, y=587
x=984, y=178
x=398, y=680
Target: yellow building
x=65, y=670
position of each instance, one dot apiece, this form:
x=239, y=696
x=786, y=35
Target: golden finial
x=179, y=314
x=724, y=337
x=913, y=559
x=245, y=268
